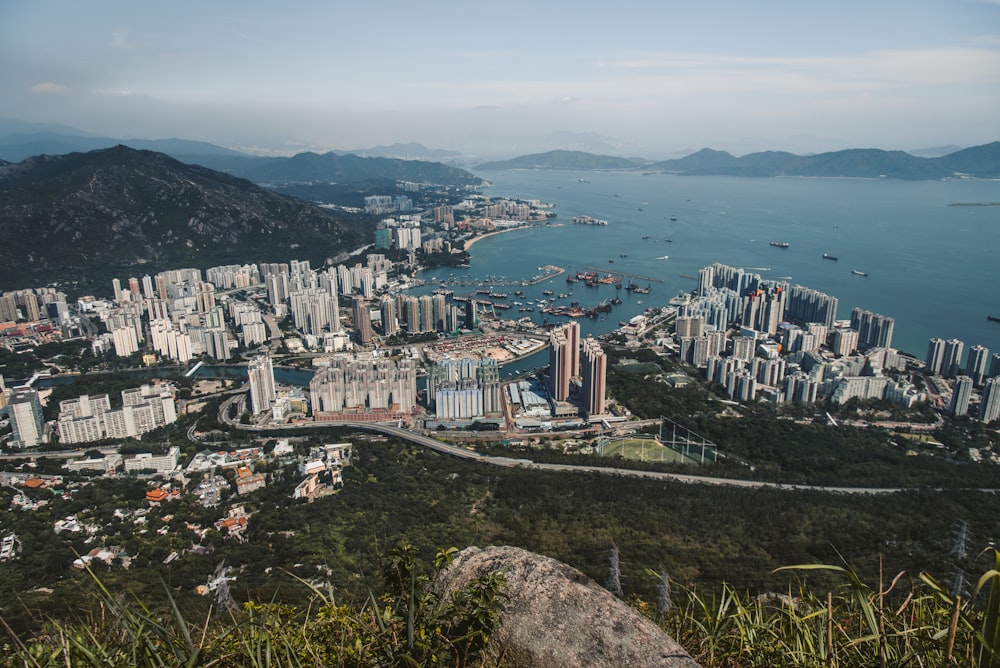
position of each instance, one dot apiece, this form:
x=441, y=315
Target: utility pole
x=614, y=584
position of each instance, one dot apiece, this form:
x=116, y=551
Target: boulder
x=557, y=617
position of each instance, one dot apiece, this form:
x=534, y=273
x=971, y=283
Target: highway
x=510, y=462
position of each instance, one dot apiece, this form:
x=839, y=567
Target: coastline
x=469, y=242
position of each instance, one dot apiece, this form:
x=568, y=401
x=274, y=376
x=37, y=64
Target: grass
x=646, y=450
x=898, y=621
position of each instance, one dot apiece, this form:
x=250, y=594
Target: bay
x=932, y=266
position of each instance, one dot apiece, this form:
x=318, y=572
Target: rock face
x=557, y=617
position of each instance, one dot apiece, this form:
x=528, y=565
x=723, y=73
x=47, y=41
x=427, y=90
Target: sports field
x=648, y=450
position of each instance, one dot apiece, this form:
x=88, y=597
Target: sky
x=655, y=79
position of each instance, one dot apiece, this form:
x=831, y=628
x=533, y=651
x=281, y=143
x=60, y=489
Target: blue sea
x=931, y=265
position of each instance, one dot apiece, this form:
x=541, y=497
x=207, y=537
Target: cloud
x=120, y=41
x=50, y=88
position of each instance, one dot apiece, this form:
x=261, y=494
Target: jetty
x=624, y=274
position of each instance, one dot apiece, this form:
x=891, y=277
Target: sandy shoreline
x=470, y=242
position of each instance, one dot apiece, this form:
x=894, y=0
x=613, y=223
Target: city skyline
x=639, y=80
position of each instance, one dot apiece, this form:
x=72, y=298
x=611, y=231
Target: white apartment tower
x=260, y=374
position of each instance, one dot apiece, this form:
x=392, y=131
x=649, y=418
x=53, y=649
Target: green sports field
x=648, y=450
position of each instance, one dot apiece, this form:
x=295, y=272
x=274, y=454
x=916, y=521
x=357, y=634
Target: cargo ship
x=780, y=244
x=827, y=256
x=859, y=273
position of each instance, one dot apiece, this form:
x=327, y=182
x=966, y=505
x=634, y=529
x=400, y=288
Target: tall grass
x=905, y=622
x=408, y=624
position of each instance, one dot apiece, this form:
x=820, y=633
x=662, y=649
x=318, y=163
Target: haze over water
x=935, y=268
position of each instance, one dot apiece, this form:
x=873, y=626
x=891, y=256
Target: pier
x=603, y=270
x=548, y=272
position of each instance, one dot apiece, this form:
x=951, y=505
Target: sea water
x=931, y=249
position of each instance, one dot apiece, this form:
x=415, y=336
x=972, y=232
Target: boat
x=827, y=256
x=645, y=236
x=673, y=218
x=780, y=244
x=547, y=292
x=622, y=255
x=993, y=318
x=859, y=273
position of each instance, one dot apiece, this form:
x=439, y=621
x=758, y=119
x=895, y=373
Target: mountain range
x=976, y=162
x=78, y=220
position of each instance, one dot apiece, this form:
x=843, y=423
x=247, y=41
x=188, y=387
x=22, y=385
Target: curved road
x=511, y=462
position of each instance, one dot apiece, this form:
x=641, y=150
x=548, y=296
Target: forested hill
x=342, y=169
x=976, y=162
x=80, y=218
x=563, y=160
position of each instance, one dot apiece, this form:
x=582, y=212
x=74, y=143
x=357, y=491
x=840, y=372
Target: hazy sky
x=506, y=77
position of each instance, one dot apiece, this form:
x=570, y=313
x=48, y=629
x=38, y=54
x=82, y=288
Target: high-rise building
x=874, y=330
x=364, y=389
x=25, y=411
x=989, y=409
x=390, y=323
x=975, y=367
x=260, y=374
x=559, y=364
x=8, y=307
x=690, y=325
x=994, y=365
x=935, y=356
x=951, y=362
x=363, y=322
x=594, y=370
x=845, y=342
x=564, y=358
x=960, y=397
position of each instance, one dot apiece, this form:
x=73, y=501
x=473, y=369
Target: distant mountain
x=16, y=144
x=934, y=151
x=330, y=167
x=561, y=160
x=409, y=151
x=979, y=162
x=83, y=218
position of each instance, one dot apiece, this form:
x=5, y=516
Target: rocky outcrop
x=557, y=617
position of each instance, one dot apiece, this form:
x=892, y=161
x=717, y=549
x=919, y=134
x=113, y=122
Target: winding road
x=510, y=462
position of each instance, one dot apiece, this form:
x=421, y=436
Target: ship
x=780, y=244
x=859, y=273
x=993, y=318
x=588, y=220
x=827, y=256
